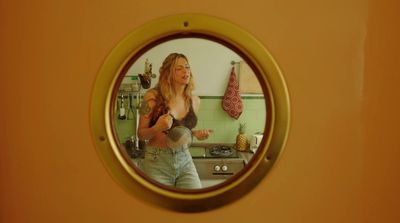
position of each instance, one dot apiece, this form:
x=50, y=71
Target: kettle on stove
x=255, y=141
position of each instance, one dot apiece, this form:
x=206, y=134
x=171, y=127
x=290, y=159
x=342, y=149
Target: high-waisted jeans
x=171, y=167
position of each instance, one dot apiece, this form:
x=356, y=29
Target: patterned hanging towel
x=232, y=102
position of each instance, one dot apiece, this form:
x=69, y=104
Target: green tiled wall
x=211, y=115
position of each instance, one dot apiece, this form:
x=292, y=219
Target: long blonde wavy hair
x=164, y=85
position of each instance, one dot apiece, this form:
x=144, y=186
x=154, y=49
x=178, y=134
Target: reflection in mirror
x=227, y=102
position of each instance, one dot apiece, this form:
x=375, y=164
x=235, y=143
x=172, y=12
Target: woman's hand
x=202, y=134
x=164, y=122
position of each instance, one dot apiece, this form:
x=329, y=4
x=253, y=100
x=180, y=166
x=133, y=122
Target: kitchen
x=218, y=157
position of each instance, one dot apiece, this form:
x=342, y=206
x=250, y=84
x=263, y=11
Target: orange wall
x=340, y=59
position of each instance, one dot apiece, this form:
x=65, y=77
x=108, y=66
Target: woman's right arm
x=164, y=122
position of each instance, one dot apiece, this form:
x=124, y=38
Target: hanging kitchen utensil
x=122, y=115
x=136, y=104
x=116, y=108
x=130, y=114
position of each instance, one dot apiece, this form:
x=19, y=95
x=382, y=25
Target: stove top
x=214, y=151
x=222, y=151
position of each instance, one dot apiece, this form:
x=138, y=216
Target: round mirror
x=232, y=108
x=192, y=110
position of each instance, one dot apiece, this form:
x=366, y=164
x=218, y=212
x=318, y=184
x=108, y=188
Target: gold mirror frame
x=271, y=80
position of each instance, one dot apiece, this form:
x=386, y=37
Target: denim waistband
x=150, y=149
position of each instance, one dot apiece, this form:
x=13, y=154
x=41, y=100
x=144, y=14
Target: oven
x=216, y=162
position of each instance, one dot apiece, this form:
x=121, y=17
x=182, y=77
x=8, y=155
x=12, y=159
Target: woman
x=170, y=103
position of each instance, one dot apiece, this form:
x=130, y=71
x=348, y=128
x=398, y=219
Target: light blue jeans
x=171, y=167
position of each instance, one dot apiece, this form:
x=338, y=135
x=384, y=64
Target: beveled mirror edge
x=105, y=143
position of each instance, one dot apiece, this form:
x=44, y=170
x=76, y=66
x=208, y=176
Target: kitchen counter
x=197, y=150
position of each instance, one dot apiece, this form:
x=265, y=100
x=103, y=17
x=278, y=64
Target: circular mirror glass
x=226, y=112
